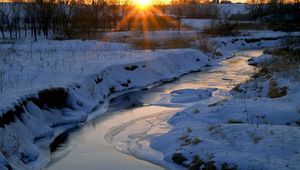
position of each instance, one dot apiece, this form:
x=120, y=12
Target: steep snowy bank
x=30, y=123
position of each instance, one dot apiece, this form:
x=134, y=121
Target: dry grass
x=167, y=43
x=255, y=137
x=196, y=140
x=275, y=91
x=251, y=26
x=286, y=61
x=204, y=43
x=222, y=27
x=284, y=26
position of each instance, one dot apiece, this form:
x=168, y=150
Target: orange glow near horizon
x=144, y=19
x=143, y=4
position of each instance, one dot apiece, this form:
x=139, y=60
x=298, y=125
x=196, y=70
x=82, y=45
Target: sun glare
x=143, y=4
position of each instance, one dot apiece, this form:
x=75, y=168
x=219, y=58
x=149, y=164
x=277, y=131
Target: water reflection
x=86, y=148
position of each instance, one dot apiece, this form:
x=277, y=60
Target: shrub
x=275, y=92
x=226, y=166
x=222, y=26
x=285, y=63
x=112, y=89
x=178, y=158
x=196, y=140
x=209, y=165
x=196, y=163
x=204, y=43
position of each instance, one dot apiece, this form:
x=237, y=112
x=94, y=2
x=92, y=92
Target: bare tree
x=96, y=11
x=46, y=11
x=114, y=12
x=178, y=6
x=2, y=22
x=64, y=14
x=30, y=9
x=10, y=15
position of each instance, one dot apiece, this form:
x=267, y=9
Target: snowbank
x=32, y=121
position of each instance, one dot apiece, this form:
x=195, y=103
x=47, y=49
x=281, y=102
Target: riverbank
x=141, y=138
x=37, y=118
x=256, y=128
x=31, y=119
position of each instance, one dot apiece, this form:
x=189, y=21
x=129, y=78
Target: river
x=90, y=146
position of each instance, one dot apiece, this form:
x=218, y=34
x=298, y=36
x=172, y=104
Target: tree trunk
x=2, y=31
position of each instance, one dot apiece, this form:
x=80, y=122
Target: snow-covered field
x=26, y=65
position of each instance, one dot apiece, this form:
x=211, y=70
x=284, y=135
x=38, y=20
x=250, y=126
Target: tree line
x=59, y=17
x=69, y=18
x=275, y=10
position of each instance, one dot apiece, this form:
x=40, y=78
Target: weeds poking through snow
x=204, y=43
x=196, y=140
x=178, y=158
x=275, y=91
x=255, y=137
x=196, y=163
x=188, y=130
x=234, y=121
x=196, y=111
x=226, y=166
x=131, y=68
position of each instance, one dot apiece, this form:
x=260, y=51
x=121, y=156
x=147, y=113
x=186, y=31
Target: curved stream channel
x=87, y=147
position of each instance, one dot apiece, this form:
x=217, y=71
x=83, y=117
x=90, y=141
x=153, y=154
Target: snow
x=184, y=97
x=199, y=24
x=36, y=124
x=249, y=130
x=93, y=72
x=234, y=8
x=245, y=129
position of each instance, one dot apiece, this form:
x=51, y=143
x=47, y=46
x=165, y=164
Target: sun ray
x=144, y=17
x=153, y=20
x=124, y=20
x=145, y=31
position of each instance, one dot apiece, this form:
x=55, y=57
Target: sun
x=143, y=4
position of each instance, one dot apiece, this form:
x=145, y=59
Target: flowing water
x=87, y=147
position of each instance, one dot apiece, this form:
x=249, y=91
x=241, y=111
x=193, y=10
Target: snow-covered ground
x=246, y=130
x=252, y=130
x=30, y=121
x=208, y=87
x=49, y=86
x=197, y=23
x=234, y=8
x=26, y=65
